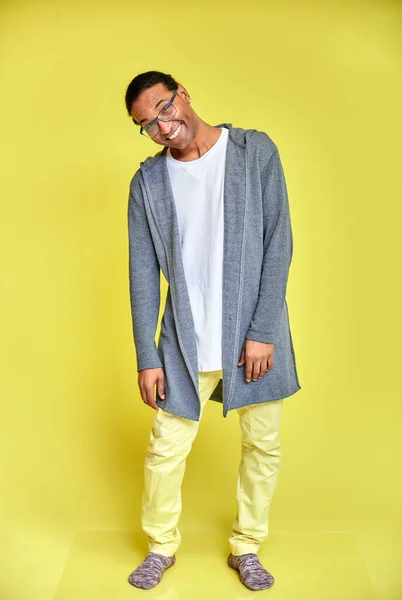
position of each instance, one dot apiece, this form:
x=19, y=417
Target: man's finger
x=161, y=387
x=249, y=369
x=263, y=368
x=150, y=398
x=256, y=370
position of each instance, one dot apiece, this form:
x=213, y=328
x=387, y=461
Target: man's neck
x=206, y=136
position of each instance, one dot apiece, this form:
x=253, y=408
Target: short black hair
x=144, y=81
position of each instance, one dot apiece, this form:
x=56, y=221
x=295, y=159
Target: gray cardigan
x=258, y=247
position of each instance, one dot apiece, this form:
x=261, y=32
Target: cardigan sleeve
x=144, y=277
x=277, y=254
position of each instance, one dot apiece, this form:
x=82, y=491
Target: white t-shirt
x=198, y=187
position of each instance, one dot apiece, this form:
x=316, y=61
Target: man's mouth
x=175, y=133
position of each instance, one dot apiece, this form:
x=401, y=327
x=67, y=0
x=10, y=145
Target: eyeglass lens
x=166, y=114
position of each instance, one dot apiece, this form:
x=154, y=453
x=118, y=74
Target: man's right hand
x=147, y=379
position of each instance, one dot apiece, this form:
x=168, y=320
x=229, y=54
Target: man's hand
x=147, y=379
x=259, y=358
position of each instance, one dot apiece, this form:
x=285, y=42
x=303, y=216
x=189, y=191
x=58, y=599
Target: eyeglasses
x=166, y=114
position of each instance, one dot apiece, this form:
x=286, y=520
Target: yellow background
x=323, y=79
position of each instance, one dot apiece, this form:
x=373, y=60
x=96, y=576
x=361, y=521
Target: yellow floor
x=95, y=565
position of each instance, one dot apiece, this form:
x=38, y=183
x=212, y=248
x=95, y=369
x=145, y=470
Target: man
x=211, y=211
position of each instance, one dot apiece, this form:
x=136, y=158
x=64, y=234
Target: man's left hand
x=258, y=357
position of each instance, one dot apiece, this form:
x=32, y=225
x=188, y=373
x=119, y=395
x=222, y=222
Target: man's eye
x=165, y=108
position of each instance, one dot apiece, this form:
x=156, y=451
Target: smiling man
x=210, y=210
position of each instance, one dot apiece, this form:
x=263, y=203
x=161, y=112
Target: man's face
x=148, y=104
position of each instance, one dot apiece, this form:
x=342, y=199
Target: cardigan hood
x=237, y=135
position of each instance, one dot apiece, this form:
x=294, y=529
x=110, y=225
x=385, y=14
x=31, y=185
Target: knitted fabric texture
x=252, y=573
x=150, y=572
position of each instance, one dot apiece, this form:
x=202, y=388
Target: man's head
x=150, y=93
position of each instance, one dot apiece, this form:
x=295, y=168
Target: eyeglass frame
x=157, y=117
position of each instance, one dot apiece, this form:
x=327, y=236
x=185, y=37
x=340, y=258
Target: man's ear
x=184, y=93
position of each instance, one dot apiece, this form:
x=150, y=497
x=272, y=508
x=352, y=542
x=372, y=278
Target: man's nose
x=165, y=127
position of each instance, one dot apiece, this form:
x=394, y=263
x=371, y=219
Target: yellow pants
x=165, y=463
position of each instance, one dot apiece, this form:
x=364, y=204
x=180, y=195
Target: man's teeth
x=176, y=133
